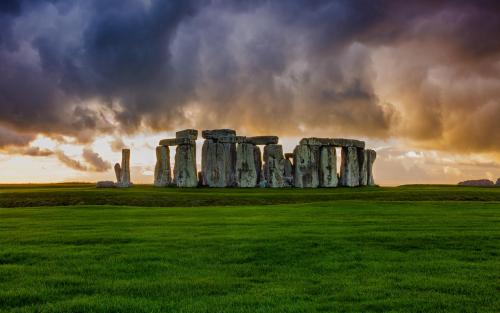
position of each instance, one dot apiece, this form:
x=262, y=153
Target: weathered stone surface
x=274, y=165
x=231, y=139
x=498, y=182
x=218, y=162
x=125, y=170
x=288, y=155
x=185, y=166
x=262, y=140
x=371, y=155
x=328, y=167
x=336, y=142
x=105, y=184
x=349, y=169
x=288, y=173
x=363, y=166
x=258, y=163
x=306, y=166
x=246, y=171
x=216, y=133
x=477, y=183
x=163, y=176
x=176, y=142
x=118, y=172
x=187, y=133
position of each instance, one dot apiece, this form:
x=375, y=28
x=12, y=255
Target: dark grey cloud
x=83, y=68
x=96, y=163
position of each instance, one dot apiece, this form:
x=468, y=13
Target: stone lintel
x=216, y=133
x=262, y=140
x=231, y=139
x=187, y=133
x=176, y=142
x=289, y=155
x=336, y=142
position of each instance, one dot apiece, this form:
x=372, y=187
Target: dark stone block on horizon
x=187, y=133
x=336, y=142
x=262, y=140
x=217, y=133
x=105, y=184
x=477, y=183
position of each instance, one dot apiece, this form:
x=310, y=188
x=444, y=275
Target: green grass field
x=74, y=248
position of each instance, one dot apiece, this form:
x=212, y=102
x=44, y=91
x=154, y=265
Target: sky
x=419, y=81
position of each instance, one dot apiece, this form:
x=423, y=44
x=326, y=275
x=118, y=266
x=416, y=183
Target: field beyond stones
x=75, y=248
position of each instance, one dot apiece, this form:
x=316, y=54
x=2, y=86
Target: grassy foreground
x=305, y=254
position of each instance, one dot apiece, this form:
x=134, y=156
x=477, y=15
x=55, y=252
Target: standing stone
x=328, y=167
x=185, y=166
x=363, y=166
x=274, y=165
x=288, y=173
x=371, y=156
x=349, y=169
x=306, y=166
x=125, y=169
x=258, y=164
x=163, y=177
x=118, y=172
x=246, y=171
x=218, y=162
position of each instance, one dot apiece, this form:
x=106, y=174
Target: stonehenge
x=231, y=160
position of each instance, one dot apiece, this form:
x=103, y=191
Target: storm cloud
x=427, y=72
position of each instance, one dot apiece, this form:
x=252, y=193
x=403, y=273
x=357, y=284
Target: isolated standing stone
x=118, y=172
x=306, y=166
x=274, y=165
x=125, y=169
x=349, y=169
x=185, y=166
x=163, y=177
x=246, y=171
x=328, y=167
x=371, y=156
x=363, y=166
